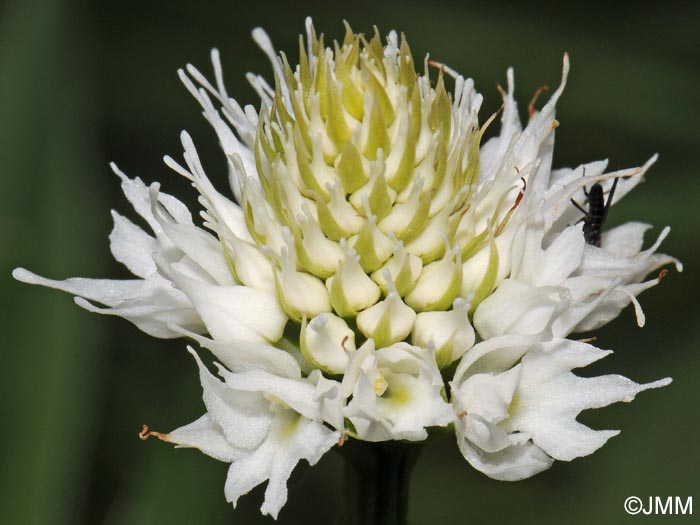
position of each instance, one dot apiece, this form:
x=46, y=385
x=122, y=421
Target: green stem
x=376, y=483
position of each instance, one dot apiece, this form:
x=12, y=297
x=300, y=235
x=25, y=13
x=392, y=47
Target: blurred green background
x=83, y=83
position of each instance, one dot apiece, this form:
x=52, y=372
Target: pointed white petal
x=244, y=356
x=137, y=194
x=132, y=246
x=197, y=244
x=291, y=439
x=297, y=394
x=151, y=304
x=106, y=291
x=205, y=435
x=233, y=313
x=243, y=417
x=155, y=313
x=550, y=397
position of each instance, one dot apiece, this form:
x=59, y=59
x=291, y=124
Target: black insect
x=598, y=207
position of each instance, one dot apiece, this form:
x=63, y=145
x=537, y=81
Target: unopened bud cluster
x=365, y=201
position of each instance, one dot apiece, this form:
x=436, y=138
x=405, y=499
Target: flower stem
x=376, y=482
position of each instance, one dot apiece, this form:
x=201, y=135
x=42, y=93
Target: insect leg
x=608, y=202
x=580, y=208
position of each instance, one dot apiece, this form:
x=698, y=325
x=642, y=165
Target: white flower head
x=370, y=245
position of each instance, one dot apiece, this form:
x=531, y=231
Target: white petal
x=493, y=355
x=137, y=194
x=151, y=304
x=519, y=308
x=489, y=395
x=329, y=394
x=565, y=440
x=244, y=356
x=106, y=291
x=297, y=394
x=560, y=259
x=225, y=210
x=625, y=240
x=550, y=398
x=154, y=314
x=197, y=244
x=132, y=246
x=205, y=435
x=489, y=437
x=243, y=417
x=550, y=359
x=492, y=153
x=511, y=464
x=291, y=439
x=233, y=313
x=537, y=138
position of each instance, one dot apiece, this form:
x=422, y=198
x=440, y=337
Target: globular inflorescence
x=378, y=269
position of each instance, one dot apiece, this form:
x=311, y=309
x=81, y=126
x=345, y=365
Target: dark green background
x=83, y=83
